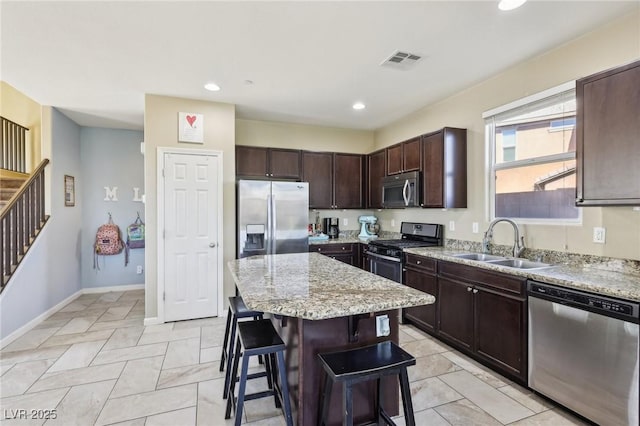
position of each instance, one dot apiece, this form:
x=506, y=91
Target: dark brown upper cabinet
x=608, y=137
x=376, y=170
x=444, y=169
x=404, y=157
x=335, y=179
x=269, y=163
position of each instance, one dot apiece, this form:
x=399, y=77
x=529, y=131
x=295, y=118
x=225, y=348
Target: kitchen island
x=320, y=305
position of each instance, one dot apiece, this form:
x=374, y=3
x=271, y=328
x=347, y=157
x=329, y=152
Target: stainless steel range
x=386, y=257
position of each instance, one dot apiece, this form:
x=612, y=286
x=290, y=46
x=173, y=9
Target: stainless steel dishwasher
x=583, y=352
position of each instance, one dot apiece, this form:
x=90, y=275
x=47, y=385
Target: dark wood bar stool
x=363, y=364
x=237, y=310
x=257, y=338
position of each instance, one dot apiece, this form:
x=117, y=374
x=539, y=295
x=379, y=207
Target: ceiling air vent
x=401, y=60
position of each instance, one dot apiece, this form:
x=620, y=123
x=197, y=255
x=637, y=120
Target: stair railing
x=20, y=222
x=13, y=146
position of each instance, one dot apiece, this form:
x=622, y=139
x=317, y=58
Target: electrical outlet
x=599, y=235
x=382, y=326
x=474, y=227
x=345, y=222
x=452, y=225
x=139, y=269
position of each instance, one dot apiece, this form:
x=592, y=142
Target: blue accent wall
x=110, y=158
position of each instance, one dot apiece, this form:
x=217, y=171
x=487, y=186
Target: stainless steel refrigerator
x=273, y=217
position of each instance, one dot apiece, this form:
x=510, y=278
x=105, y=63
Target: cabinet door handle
x=319, y=249
x=475, y=290
x=469, y=289
x=418, y=262
x=344, y=248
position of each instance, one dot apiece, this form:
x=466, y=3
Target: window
x=508, y=144
x=531, y=152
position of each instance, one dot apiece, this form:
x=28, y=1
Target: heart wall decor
x=190, y=127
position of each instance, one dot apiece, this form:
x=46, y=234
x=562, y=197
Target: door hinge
x=163, y=233
x=162, y=172
x=164, y=296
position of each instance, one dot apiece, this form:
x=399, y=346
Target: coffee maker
x=330, y=226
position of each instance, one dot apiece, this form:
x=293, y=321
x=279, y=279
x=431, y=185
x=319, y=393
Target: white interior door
x=192, y=193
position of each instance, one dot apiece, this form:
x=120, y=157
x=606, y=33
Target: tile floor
x=94, y=362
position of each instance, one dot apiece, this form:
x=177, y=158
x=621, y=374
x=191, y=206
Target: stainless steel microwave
x=401, y=190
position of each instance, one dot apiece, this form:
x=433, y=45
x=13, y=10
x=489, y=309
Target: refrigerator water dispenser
x=255, y=238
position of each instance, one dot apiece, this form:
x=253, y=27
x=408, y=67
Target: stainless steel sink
x=482, y=257
x=520, y=263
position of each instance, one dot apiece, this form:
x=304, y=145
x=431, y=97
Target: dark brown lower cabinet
x=456, y=313
x=347, y=253
x=484, y=313
x=500, y=322
x=420, y=273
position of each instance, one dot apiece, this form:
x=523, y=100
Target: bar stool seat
x=237, y=310
x=363, y=364
x=257, y=338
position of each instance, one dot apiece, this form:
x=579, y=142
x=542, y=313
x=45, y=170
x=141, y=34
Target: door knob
x=212, y=245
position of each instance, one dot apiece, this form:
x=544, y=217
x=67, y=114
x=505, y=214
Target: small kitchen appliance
x=369, y=228
x=330, y=226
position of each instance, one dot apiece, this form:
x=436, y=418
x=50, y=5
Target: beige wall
x=161, y=130
x=298, y=136
x=26, y=112
x=609, y=46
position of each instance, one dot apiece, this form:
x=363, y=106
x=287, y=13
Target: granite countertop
x=315, y=287
x=586, y=277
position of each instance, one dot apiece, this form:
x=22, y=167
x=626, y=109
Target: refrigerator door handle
x=274, y=215
x=268, y=231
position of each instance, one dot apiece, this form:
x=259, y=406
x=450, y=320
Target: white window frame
x=491, y=167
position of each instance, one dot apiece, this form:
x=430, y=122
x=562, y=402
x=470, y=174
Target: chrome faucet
x=518, y=244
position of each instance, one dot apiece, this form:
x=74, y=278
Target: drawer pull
x=418, y=262
x=475, y=290
x=469, y=289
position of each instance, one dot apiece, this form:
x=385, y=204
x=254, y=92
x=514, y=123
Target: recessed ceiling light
x=510, y=4
x=358, y=105
x=212, y=87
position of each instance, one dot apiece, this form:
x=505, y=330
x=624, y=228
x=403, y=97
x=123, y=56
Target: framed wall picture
x=69, y=191
x=190, y=127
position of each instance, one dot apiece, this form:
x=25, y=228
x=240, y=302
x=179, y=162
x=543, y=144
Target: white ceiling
x=309, y=61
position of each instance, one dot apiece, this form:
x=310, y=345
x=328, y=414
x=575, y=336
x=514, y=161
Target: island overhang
x=315, y=287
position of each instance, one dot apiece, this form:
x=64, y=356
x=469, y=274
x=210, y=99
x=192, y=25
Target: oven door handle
x=380, y=256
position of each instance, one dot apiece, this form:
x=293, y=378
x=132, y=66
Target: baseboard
x=37, y=320
x=90, y=290
x=34, y=322
x=152, y=321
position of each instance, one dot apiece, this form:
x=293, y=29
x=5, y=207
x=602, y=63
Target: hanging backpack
x=135, y=237
x=108, y=241
x=135, y=234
